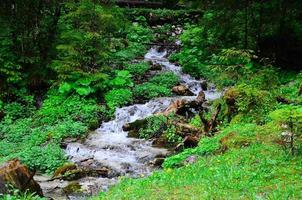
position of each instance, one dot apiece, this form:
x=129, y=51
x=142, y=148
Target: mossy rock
x=65, y=168
x=73, y=187
x=69, y=172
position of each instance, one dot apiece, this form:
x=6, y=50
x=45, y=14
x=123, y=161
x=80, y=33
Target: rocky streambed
x=108, y=153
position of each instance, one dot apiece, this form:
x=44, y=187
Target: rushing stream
x=109, y=145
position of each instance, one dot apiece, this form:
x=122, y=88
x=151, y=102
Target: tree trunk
x=210, y=125
x=246, y=25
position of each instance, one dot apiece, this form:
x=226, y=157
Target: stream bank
x=108, y=153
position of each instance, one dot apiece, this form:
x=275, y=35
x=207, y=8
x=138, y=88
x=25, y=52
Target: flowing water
x=109, y=146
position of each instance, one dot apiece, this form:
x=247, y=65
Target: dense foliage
x=258, y=140
x=65, y=66
x=54, y=80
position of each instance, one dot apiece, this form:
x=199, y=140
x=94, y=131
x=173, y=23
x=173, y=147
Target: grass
x=252, y=167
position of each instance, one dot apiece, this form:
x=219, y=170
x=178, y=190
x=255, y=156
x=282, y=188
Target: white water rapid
x=109, y=146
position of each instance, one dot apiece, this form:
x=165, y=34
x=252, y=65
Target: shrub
x=136, y=35
x=46, y=158
x=211, y=145
x=252, y=104
x=35, y=140
x=118, y=97
x=57, y=107
x=67, y=128
x=151, y=90
x=138, y=69
x=172, y=136
x=158, y=125
x=167, y=79
x=22, y=107
x=139, y=34
x=84, y=84
x=155, y=127
x=121, y=80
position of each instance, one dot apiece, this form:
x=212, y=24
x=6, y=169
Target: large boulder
x=182, y=90
x=133, y=127
x=87, y=167
x=17, y=175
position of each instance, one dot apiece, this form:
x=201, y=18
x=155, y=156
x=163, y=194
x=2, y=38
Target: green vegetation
x=138, y=69
x=158, y=86
x=118, y=97
x=35, y=139
x=250, y=171
x=158, y=126
x=255, y=151
x=66, y=66
x=71, y=76
x=166, y=79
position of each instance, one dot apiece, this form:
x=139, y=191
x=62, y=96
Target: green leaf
x=84, y=91
x=249, y=65
x=84, y=81
x=65, y=88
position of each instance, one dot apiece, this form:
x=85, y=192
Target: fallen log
x=182, y=106
x=187, y=130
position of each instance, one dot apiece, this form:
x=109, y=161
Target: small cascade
x=110, y=146
x=159, y=57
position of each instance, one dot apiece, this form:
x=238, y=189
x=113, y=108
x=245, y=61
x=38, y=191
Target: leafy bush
x=22, y=107
x=287, y=112
x=252, y=104
x=136, y=35
x=167, y=79
x=290, y=89
x=196, y=121
x=45, y=158
x=67, y=128
x=139, y=34
x=121, y=80
x=18, y=195
x=171, y=135
x=155, y=127
x=150, y=90
x=138, y=69
x=118, y=97
x=130, y=52
x=158, y=126
x=35, y=140
x=84, y=84
x=83, y=46
x=58, y=107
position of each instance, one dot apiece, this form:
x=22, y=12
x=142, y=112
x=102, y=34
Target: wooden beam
x=137, y=3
